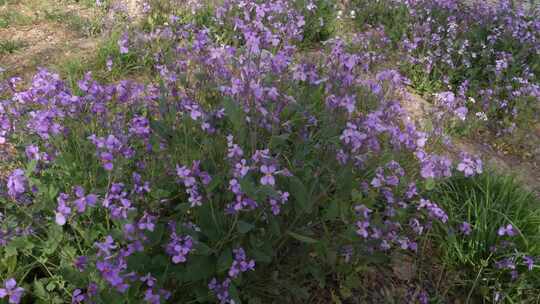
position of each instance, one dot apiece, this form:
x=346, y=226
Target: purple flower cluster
x=434, y=210
x=108, y=148
x=11, y=291
x=179, y=247
x=267, y=166
x=193, y=178
x=240, y=263
x=469, y=166
x=63, y=211
x=16, y=183
x=118, y=202
x=221, y=290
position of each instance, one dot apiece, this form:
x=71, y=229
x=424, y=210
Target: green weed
x=10, y=46
x=488, y=202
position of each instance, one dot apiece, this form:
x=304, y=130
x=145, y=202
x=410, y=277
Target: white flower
x=481, y=116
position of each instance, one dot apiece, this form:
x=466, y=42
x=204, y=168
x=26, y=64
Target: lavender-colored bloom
x=149, y=280
x=465, y=228
x=77, y=297
x=507, y=230
x=11, y=291
x=16, y=183
x=469, y=166
x=221, y=290
x=32, y=152
x=529, y=262
x=140, y=126
x=109, y=64
x=268, y=178
x=434, y=210
x=81, y=263
x=362, y=228
x=179, y=247
x=105, y=247
x=147, y=222
x=62, y=212
x=123, y=43
x=240, y=263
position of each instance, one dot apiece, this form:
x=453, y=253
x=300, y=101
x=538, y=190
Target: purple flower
x=240, y=263
x=179, y=247
x=140, y=126
x=81, y=262
x=148, y=279
x=221, y=290
x=11, y=291
x=104, y=248
x=147, y=222
x=16, y=183
x=268, y=178
x=469, y=166
x=32, y=152
x=123, y=43
x=507, y=230
x=77, y=297
x=62, y=211
x=109, y=64
x=434, y=210
x=362, y=228
x=465, y=228
x=527, y=260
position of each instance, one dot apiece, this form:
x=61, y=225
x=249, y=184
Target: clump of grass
x=74, y=22
x=106, y=64
x=489, y=202
x=12, y=18
x=320, y=21
x=10, y=46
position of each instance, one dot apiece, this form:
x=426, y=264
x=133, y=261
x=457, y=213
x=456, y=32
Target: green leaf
x=212, y=229
x=345, y=182
x=30, y=167
x=39, y=290
x=51, y=286
x=430, y=184
x=199, y=268
x=233, y=291
x=248, y=186
x=261, y=256
x=332, y=210
x=225, y=260
x=202, y=249
x=10, y=251
x=278, y=141
x=244, y=227
x=55, y=235
x=235, y=114
x=303, y=238
x=300, y=194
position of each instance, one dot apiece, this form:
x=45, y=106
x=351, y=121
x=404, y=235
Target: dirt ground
x=43, y=33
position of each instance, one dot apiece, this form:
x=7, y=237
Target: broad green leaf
x=300, y=194
x=302, y=238
x=225, y=260
x=244, y=227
